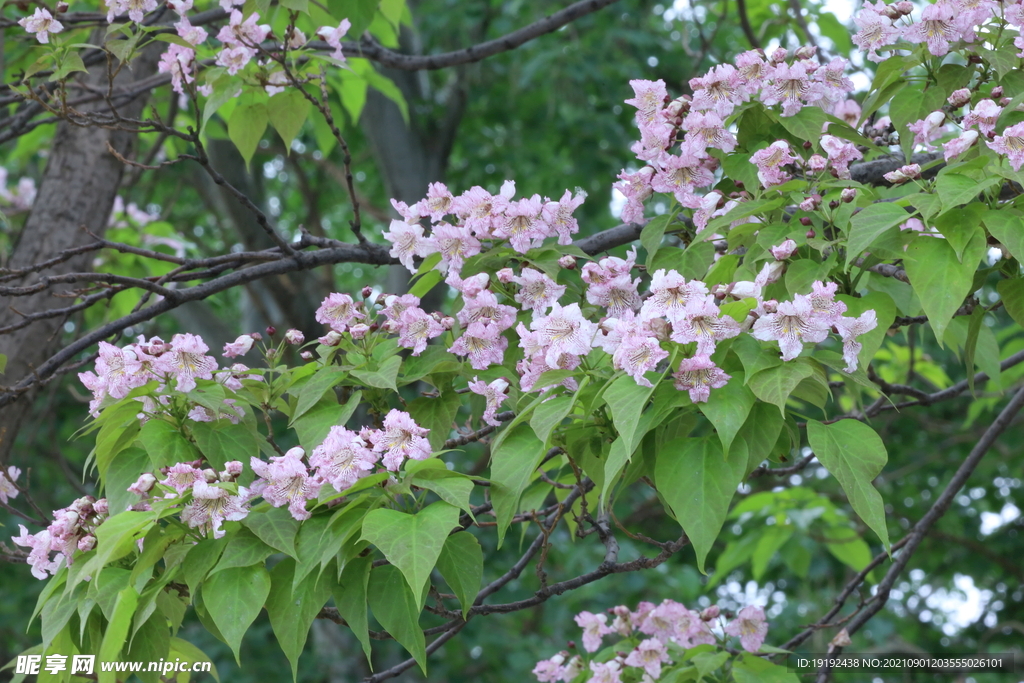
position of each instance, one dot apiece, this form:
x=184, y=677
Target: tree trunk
x=77, y=191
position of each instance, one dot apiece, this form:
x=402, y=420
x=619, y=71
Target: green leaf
x=461, y=563
x=869, y=223
x=939, y=279
x=383, y=377
x=848, y=547
x=652, y=234
x=291, y=611
x=698, y=483
x=244, y=549
x=727, y=409
x=152, y=642
x=314, y=389
x=513, y=463
x=955, y=189
x=165, y=444
x=437, y=415
x=246, y=126
x=707, y=662
x=772, y=539
x=115, y=538
x=626, y=400
x=412, y=542
x=314, y=426
x=350, y=599
x=276, y=527
x=453, y=487
x=117, y=631
x=749, y=668
x=760, y=433
x=774, y=385
x=854, y=454
x=549, y=415
x=398, y=610
x=1008, y=228
x=3, y=363
x=805, y=124
x=191, y=653
x=754, y=356
x=298, y=6
x=122, y=473
x=1011, y=292
x=221, y=441
x=234, y=598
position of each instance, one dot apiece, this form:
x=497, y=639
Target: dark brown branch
x=748, y=31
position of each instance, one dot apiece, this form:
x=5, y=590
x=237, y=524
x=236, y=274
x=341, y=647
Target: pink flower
x=752, y=68
x=791, y=87
x=903, y=174
x=558, y=215
x=636, y=187
x=649, y=99
x=565, y=330
x=703, y=323
x=481, y=210
x=243, y=33
x=638, y=351
x=699, y=375
x=181, y=477
x=42, y=24
x=342, y=459
x=840, y=153
x=550, y=670
x=681, y=173
x=455, y=244
x=234, y=58
x=394, y=305
x=401, y=438
x=594, y=627
x=483, y=307
x=187, y=361
x=471, y=286
x=241, y=346
x=495, y=394
x=191, y=34
x=847, y=110
x=669, y=294
x=938, y=27
x=438, y=202
x=769, y=162
x=1011, y=143
x=619, y=295
x=849, y=329
x=607, y=672
x=984, y=115
x=333, y=37
x=143, y=484
x=823, y=302
x=523, y=226
x=708, y=129
x=928, y=129
x=649, y=655
x=750, y=626
x=407, y=241
x=39, y=555
x=285, y=481
x=211, y=506
x=721, y=89
x=119, y=370
x=415, y=328
x=483, y=343
x=7, y=488
x=537, y=292
x=793, y=323
x=875, y=30
x=959, y=98
x=783, y=251
x=959, y=145
x=338, y=311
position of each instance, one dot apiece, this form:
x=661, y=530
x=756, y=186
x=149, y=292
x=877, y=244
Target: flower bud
x=817, y=163
x=848, y=194
x=143, y=484
x=710, y=614
x=779, y=55
x=660, y=328
x=892, y=12
x=271, y=354
x=256, y=336
x=233, y=468
x=770, y=306
x=359, y=330
x=960, y=97
x=783, y=251
x=62, y=7
x=296, y=452
x=367, y=291
x=209, y=475
x=806, y=52
x=332, y=338
x=805, y=221
x=294, y=337
x=810, y=234
x=1005, y=101
x=568, y=262
x=101, y=507
x=382, y=299
x=810, y=204
x=997, y=91
x=505, y=275
x=271, y=330
x=87, y=543
x=936, y=118
x=833, y=204
x=974, y=59
x=306, y=356
x=739, y=184
x=447, y=322
x=905, y=7
x=808, y=144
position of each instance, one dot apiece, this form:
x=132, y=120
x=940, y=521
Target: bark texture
x=77, y=191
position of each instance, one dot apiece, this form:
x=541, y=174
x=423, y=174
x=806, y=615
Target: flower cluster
x=882, y=26
x=676, y=136
x=646, y=635
x=73, y=529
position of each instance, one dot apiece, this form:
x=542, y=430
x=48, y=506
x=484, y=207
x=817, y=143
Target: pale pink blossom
x=455, y=243
x=550, y=670
x=241, y=346
x=42, y=24
x=39, y=554
x=483, y=343
x=649, y=655
x=636, y=188
x=875, y=30
x=769, y=162
x=708, y=129
x=558, y=215
x=823, y=302
x=333, y=37
x=523, y=226
x=594, y=627
x=342, y=459
x=792, y=87
x=783, y=251
x=181, y=477
x=983, y=115
x=338, y=311
x=243, y=32
x=849, y=329
x=192, y=34
x=649, y=99
x=483, y=307
x=792, y=324
x=285, y=481
x=750, y=626
x=938, y=27
x=721, y=89
x=606, y=672
x=407, y=241
x=959, y=145
x=928, y=129
x=840, y=153
x=669, y=294
x=211, y=506
x=565, y=330
x=400, y=438
x=8, y=490
x=494, y=394
x=537, y=292
x=234, y=58
x=704, y=324
x=177, y=61
x=1011, y=143
x=699, y=375
x=187, y=361
x=637, y=350
x=415, y=328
